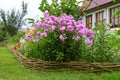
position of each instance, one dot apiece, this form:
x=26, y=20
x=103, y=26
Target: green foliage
x=114, y=1
x=116, y=13
x=116, y=40
x=70, y=7
x=14, y=39
x=51, y=48
x=12, y=20
x=102, y=49
x=31, y=50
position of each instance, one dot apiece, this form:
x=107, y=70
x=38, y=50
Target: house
x=100, y=10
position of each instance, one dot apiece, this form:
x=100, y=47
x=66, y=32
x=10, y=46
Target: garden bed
x=37, y=64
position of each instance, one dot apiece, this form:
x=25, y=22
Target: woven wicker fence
x=79, y=66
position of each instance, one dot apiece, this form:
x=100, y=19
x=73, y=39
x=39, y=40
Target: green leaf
x=116, y=13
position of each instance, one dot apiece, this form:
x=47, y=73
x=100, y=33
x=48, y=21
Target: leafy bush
x=59, y=38
x=102, y=48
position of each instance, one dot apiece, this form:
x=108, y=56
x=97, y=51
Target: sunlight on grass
x=11, y=69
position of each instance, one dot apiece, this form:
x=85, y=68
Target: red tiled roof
x=96, y=3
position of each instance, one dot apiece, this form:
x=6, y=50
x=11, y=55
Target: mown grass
x=11, y=69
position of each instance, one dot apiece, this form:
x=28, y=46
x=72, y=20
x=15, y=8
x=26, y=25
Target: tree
x=70, y=7
x=12, y=20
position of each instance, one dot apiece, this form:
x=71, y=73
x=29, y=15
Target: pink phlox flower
x=58, y=21
x=64, y=22
x=46, y=14
x=62, y=37
x=45, y=30
x=62, y=28
x=79, y=27
x=90, y=34
x=38, y=33
x=44, y=34
x=51, y=22
x=37, y=25
x=54, y=18
x=70, y=28
x=76, y=38
x=53, y=28
x=83, y=32
x=69, y=22
x=88, y=42
x=80, y=21
x=28, y=37
x=43, y=25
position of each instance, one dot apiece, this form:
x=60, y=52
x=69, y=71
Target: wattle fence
x=36, y=64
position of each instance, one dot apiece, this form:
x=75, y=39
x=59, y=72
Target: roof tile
x=96, y=3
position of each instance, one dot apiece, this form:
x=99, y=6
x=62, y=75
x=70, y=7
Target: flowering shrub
x=60, y=38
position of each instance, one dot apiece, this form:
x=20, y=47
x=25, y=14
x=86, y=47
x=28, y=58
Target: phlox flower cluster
x=63, y=24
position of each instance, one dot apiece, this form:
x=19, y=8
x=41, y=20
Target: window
x=89, y=21
x=100, y=16
x=115, y=22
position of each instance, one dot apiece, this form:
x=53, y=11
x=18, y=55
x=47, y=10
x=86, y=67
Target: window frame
x=98, y=16
x=112, y=21
x=89, y=20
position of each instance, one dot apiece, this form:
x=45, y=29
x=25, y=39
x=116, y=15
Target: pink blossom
x=53, y=28
x=45, y=30
x=70, y=28
x=76, y=38
x=62, y=37
x=88, y=42
x=79, y=27
x=90, y=34
x=50, y=22
x=44, y=34
x=28, y=37
x=37, y=25
x=62, y=24
x=46, y=14
x=38, y=33
x=62, y=28
x=70, y=22
x=82, y=32
x=80, y=21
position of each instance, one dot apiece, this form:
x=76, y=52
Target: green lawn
x=11, y=69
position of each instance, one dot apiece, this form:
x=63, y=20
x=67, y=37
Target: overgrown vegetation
x=102, y=49
x=14, y=39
